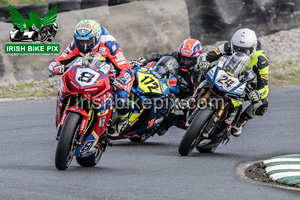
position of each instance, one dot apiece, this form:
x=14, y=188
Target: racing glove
x=137, y=63
x=254, y=96
x=56, y=69
x=202, y=63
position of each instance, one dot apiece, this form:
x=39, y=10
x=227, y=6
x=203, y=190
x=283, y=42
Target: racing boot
x=165, y=124
x=171, y=120
x=237, y=129
x=123, y=123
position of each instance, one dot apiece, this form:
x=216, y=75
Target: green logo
x=34, y=29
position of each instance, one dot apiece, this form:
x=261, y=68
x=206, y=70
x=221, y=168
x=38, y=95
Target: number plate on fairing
x=226, y=82
x=148, y=83
x=86, y=76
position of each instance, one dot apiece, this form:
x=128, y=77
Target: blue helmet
x=87, y=35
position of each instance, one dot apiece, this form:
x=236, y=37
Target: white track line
x=284, y=174
x=282, y=160
x=282, y=167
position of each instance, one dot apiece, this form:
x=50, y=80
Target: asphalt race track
x=153, y=170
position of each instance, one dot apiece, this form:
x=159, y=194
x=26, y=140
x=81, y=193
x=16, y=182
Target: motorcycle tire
x=188, y=142
x=209, y=150
x=90, y=161
x=139, y=139
x=65, y=147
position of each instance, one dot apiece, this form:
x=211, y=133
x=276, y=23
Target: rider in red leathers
x=90, y=37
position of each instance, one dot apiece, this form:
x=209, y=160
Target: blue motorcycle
x=225, y=85
x=151, y=97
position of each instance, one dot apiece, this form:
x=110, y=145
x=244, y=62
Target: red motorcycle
x=84, y=107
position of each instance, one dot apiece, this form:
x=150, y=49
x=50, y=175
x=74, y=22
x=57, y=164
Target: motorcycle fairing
x=88, y=146
x=225, y=82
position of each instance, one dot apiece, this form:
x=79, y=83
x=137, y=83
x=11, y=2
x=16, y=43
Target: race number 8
x=86, y=77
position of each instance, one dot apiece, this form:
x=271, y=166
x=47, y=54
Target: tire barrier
x=24, y=9
x=64, y=6
x=93, y=3
x=117, y=2
x=155, y=26
x=217, y=20
x=43, y=8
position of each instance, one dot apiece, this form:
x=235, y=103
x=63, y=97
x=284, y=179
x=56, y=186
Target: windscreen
x=236, y=63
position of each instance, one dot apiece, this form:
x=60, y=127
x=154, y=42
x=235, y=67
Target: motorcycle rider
x=245, y=40
x=188, y=76
x=90, y=37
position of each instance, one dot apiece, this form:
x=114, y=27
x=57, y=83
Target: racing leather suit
x=259, y=63
x=110, y=50
x=186, y=84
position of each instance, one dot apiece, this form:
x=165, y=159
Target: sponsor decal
x=102, y=49
x=121, y=63
x=101, y=121
x=52, y=64
x=229, y=120
x=91, y=89
x=32, y=29
x=265, y=76
x=127, y=76
x=113, y=48
x=87, y=145
x=83, y=125
x=217, y=51
x=187, y=52
x=120, y=59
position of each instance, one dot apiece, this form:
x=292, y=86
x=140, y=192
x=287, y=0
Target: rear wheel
x=140, y=138
x=193, y=134
x=66, y=146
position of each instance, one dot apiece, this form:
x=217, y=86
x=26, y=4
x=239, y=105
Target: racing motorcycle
x=86, y=114
x=225, y=84
x=151, y=98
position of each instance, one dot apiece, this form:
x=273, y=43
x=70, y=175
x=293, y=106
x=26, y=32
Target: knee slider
x=262, y=109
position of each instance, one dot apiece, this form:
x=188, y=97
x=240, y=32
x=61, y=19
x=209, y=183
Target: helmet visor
x=187, y=62
x=84, y=45
x=246, y=50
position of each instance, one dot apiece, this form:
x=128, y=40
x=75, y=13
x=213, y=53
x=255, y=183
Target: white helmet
x=244, y=40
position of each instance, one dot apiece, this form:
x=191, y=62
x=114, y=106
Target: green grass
x=281, y=74
x=28, y=90
x=285, y=73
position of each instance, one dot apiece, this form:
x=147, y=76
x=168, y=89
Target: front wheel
x=92, y=160
x=66, y=146
x=193, y=134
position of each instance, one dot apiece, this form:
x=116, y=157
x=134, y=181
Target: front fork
x=191, y=116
